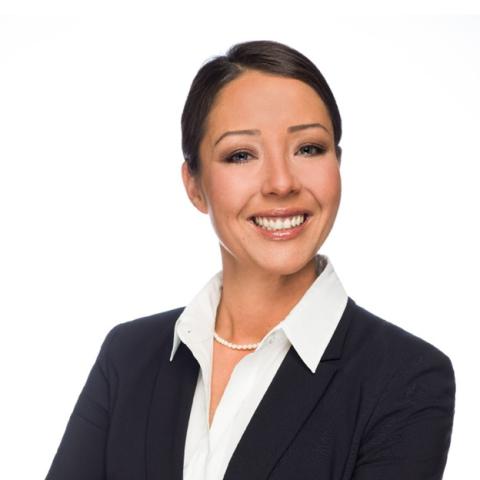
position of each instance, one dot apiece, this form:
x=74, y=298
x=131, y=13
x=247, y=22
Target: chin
x=286, y=264
x=278, y=259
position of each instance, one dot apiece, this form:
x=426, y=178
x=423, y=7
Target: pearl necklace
x=320, y=264
x=235, y=346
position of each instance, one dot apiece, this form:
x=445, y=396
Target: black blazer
x=380, y=406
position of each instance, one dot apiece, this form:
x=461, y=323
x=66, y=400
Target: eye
x=312, y=148
x=238, y=157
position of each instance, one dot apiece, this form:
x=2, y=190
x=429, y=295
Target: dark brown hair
x=262, y=55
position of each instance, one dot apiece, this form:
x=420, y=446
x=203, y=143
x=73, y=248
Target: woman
x=271, y=371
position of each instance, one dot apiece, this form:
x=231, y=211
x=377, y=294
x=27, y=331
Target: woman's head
x=269, y=170
x=261, y=55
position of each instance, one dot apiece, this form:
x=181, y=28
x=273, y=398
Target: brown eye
x=312, y=149
x=238, y=157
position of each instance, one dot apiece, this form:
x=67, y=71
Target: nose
x=279, y=177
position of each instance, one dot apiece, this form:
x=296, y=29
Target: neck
x=254, y=301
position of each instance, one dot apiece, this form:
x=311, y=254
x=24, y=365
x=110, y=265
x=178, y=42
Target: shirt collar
x=309, y=326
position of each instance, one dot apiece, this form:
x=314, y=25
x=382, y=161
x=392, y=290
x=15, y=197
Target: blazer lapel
x=288, y=401
x=169, y=413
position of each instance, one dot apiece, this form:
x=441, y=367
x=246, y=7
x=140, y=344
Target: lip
x=281, y=212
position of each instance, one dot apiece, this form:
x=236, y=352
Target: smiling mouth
x=279, y=223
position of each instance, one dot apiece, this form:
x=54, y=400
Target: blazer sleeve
x=408, y=435
x=80, y=454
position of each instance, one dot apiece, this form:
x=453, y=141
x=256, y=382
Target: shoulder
x=408, y=389
x=141, y=337
x=158, y=324
x=385, y=347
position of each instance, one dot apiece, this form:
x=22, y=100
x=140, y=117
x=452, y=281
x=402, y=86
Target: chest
x=237, y=389
x=224, y=361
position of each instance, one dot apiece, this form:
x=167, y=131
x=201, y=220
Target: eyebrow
x=256, y=131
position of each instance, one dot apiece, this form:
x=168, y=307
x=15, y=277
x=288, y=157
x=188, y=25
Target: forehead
x=264, y=101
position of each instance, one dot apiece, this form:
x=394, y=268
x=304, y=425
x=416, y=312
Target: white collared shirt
x=308, y=327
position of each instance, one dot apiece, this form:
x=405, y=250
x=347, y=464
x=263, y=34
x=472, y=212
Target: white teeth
x=278, y=223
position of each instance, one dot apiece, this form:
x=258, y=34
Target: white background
x=96, y=228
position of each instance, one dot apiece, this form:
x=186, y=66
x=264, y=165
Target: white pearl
x=235, y=346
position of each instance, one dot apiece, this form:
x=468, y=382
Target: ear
x=193, y=189
x=339, y=154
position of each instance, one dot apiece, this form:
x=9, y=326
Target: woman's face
x=272, y=190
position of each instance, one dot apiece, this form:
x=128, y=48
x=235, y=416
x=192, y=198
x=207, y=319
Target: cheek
x=228, y=194
x=324, y=183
